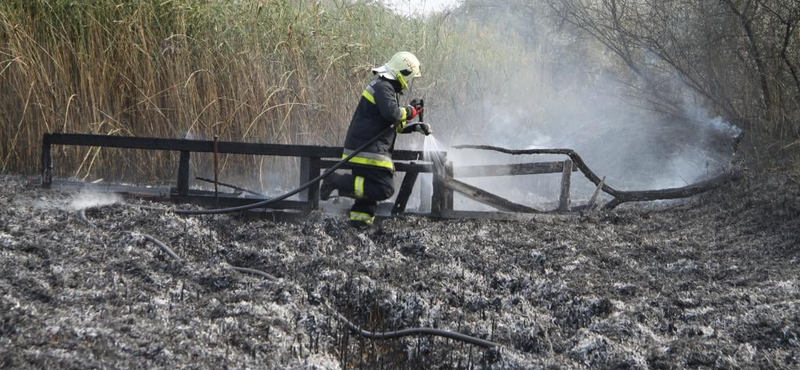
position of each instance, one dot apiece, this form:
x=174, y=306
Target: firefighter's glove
x=412, y=112
x=418, y=127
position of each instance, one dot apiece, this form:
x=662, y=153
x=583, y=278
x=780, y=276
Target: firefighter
x=372, y=177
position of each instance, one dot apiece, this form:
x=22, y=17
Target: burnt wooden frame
x=622, y=196
x=312, y=161
x=448, y=181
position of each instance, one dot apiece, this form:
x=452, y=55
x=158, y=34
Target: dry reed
x=255, y=71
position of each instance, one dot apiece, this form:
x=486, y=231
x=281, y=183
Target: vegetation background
x=291, y=71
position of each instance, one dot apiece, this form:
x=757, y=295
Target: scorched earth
x=708, y=283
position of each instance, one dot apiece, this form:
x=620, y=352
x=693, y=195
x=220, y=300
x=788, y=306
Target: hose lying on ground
x=413, y=331
x=246, y=270
x=350, y=325
x=82, y=215
x=161, y=245
x=150, y=238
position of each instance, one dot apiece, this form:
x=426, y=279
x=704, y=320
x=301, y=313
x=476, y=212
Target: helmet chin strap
x=402, y=80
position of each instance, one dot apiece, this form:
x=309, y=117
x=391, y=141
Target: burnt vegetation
x=707, y=282
x=711, y=282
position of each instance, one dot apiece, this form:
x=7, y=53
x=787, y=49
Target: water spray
x=438, y=163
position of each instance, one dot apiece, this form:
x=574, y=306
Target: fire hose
x=350, y=325
x=338, y=316
x=279, y=198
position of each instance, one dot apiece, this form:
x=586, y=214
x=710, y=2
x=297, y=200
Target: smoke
x=528, y=82
x=634, y=148
x=703, y=118
x=419, y=7
x=564, y=91
x=724, y=127
x=88, y=199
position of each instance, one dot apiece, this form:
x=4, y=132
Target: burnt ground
x=710, y=283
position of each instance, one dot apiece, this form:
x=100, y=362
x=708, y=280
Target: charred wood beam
x=448, y=198
x=405, y=193
x=577, y=161
x=220, y=183
x=183, y=173
x=46, y=163
x=483, y=196
x=438, y=204
x=515, y=169
x=619, y=195
x=309, y=169
x=207, y=146
x=566, y=181
x=593, y=201
x=674, y=193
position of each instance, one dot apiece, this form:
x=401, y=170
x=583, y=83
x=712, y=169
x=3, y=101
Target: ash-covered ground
x=709, y=283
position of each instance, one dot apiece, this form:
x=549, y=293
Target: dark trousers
x=367, y=186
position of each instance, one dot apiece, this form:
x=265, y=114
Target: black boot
x=362, y=215
x=360, y=220
x=327, y=188
x=329, y=184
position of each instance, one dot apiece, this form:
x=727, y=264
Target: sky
x=420, y=6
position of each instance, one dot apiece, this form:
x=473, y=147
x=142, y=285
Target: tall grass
x=275, y=71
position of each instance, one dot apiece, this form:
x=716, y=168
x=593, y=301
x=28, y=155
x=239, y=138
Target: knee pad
x=383, y=192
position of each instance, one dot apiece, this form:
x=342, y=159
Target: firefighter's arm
x=388, y=107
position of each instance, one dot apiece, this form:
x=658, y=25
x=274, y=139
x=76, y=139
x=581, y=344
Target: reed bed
x=254, y=71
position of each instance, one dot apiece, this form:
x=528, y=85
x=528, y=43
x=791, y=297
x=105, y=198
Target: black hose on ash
x=350, y=325
x=161, y=245
x=82, y=216
x=246, y=270
x=413, y=331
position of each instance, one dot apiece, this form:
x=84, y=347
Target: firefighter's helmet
x=403, y=67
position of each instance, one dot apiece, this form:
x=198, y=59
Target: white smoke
x=89, y=199
x=570, y=96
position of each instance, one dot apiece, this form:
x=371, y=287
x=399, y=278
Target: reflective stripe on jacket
x=377, y=109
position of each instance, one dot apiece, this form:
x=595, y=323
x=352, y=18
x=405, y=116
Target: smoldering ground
x=565, y=90
x=710, y=283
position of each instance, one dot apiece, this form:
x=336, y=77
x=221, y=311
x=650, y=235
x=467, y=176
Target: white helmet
x=403, y=67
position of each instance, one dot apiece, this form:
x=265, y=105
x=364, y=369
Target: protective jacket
x=377, y=109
